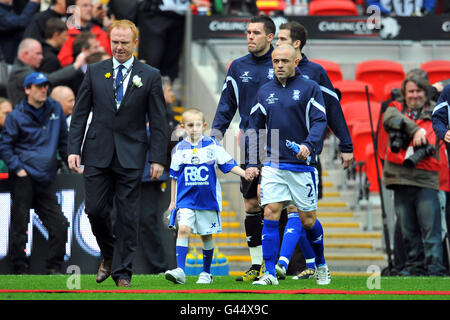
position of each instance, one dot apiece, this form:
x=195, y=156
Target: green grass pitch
x=61, y=287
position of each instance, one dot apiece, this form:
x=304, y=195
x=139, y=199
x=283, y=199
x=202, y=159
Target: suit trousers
x=118, y=187
x=27, y=194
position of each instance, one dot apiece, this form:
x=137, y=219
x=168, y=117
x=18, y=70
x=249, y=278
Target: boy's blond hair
x=193, y=111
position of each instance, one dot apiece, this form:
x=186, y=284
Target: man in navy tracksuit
x=440, y=115
x=243, y=80
x=289, y=108
x=295, y=34
x=34, y=131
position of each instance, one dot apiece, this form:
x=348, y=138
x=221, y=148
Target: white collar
x=127, y=64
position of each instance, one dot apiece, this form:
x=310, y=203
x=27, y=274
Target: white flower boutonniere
x=137, y=81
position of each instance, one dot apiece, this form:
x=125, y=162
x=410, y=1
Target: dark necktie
x=119, y=90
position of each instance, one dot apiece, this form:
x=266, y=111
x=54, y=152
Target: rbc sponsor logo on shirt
x=196, y=175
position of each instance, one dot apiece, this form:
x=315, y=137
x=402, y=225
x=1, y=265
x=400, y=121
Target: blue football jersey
x=194, y=168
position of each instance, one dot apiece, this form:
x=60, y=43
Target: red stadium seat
x=353, y=90
x=358, y=112
x=437, y=70
x=333, y=69
x=332, y=8
x=378, y=73
x=389, y=86
x=371, y=169
x=361, y=137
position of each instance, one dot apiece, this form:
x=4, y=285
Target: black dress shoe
x=104, y=271
x=123, y=283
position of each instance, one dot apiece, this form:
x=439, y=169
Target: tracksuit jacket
x=441, y=113
x=245, y=76
x=335, y=116
x=30, y=143
x=248, y=73
x=296, y=111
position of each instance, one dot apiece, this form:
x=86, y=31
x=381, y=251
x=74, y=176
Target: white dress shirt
x=127, y=65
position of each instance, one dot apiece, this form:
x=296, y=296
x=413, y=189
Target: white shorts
x=289, y=187
x=202, y=222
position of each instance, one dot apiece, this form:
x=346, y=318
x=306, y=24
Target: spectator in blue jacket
x=12, y=26
x=34, y=131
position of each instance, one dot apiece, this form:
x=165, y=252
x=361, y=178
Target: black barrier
x=81, y=247
x=333, y=27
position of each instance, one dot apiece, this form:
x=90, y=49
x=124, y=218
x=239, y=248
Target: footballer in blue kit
x=288, y=108
x=244, y=77
x=195, y=192
x=305, y=229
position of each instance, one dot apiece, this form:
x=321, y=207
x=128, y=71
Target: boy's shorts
x=289, y=187
x=202, y=222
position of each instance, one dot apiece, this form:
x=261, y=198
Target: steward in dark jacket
x=33, y=133
x=31, y=137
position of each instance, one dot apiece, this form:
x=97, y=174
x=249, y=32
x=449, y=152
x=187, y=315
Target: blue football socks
x=315, y=237
x=208, y=252
x=290, y=238
x=182, y=249
x=270, y=244
x=307, y=250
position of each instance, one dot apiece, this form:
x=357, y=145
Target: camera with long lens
x=421, y=152
x=399, y=140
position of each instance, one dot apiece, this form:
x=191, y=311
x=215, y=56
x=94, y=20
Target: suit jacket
x=123, y=129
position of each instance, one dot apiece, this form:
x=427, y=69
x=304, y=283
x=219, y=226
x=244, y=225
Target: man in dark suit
x=120, y=92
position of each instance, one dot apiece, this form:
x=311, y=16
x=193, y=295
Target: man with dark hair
x=415, y=183
x=55, y=36
x=295, y=34
x=34, y=131
x=86, y=42
x=244, y=77
x=36, y=28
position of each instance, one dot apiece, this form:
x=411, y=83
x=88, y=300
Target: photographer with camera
x=411, y=169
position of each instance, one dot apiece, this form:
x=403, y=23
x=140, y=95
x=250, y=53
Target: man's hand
x=304, y=153
x=156, y=170
x=22, y=173
x=80, y=60
x=419, y=138
x=251, y=173
x=447, y=136
x=172, y=206
x=74, y=161
x=346, y=159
